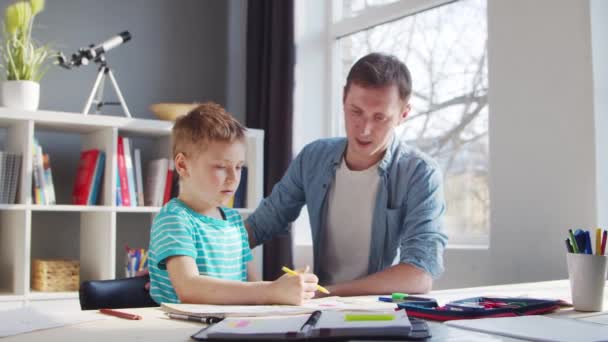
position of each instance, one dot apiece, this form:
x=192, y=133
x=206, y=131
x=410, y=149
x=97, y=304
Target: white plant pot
x=21, y=94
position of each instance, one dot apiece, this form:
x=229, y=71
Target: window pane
x=352, y=8
x=445, y=49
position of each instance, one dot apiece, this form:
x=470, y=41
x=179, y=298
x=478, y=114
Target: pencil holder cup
x=587, y=275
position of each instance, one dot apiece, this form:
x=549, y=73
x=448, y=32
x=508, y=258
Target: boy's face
x=370, y=116
x=211, y=176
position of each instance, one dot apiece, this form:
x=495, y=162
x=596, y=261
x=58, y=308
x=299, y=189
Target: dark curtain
x=270, y=82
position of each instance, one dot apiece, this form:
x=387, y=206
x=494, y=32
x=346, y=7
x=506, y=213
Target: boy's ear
x=181, y=165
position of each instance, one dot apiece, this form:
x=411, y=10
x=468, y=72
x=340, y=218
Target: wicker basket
x=55, y=275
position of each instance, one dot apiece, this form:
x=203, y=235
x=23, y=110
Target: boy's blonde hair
x=205, y=123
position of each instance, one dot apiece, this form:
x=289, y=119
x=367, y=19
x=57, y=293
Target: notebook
x=536, y=328
x=318, y=325
x=327, y=303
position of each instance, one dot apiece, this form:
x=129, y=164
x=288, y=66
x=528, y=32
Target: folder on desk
x=536, y=328
x=318, y=325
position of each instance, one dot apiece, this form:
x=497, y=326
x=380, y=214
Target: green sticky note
x=399, y=296
x=368, y=317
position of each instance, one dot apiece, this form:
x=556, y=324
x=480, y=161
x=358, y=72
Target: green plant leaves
x=22, y=57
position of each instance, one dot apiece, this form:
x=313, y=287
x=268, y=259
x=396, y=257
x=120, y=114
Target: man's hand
x=144, y=273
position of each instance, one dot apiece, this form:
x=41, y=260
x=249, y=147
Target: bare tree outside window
x=445, y=49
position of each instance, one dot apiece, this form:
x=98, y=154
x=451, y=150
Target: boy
x=199, y=252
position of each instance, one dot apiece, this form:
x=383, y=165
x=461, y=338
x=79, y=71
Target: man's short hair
x=205, y=123
x=380, y=70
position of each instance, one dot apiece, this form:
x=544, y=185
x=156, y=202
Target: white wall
x=542, y=145
x=543, y=159
x=599, y=35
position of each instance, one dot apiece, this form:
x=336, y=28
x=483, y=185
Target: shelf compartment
x=14, y=249
x=133, y=230
x=64, y=149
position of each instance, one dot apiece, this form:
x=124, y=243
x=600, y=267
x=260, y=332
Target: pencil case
x=480, y=307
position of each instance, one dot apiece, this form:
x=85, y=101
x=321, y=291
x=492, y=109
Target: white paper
x=23, y=320
x=536, y=328
x=328, y=303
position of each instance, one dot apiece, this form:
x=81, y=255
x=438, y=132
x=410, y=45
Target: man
x=371, y=198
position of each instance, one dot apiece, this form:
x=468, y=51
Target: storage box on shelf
x=102, y=229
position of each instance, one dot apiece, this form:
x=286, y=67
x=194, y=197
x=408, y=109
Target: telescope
x=97, y=53
x=93, y=52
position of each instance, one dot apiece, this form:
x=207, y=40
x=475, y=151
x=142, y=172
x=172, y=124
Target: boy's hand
x=293, y=289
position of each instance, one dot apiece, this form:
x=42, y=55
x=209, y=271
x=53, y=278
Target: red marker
x=120, y=314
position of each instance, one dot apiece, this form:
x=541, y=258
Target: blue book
x=240, y=195
x=118, y=195
x=96, y=184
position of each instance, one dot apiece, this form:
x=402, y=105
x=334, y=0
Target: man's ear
x=404, y=113
x=180, y=165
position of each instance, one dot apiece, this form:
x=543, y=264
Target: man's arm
x=421, y=246
x=282, y=207
x=387, y=281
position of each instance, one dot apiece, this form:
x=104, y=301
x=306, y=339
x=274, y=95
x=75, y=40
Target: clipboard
x=320, y=325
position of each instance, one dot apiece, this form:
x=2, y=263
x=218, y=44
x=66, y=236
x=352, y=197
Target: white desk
x=156, y=327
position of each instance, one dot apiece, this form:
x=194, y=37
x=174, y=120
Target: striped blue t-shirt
x=219, y=247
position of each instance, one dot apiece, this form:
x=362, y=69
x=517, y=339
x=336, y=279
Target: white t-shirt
x=347, y=235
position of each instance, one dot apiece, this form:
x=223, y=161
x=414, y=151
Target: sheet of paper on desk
x=234, y=310
x=328, y=303
x=536, y=328
x=23, y=320
x=363, y=303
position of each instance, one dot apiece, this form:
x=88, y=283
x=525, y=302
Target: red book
x=169, y=182
x=84, y=176
x=122, y=173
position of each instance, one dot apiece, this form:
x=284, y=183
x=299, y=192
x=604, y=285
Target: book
x=93, y=198
x=48, y=178
x=122, y=173
x=319, y=324
x=85, y=176
x=138, y=178
x=155, y=182
x=168, y=182
x=130, y=171
x=240, y=195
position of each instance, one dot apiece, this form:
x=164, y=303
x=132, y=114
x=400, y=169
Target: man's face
x=370, y=116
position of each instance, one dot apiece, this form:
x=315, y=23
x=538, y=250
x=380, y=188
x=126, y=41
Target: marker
x=120, y=314
x=603, y=248
x=569, y=246
x=206, y=320
x=368, y=317
x=598, y=238
x=292, y=272
x=573, y=241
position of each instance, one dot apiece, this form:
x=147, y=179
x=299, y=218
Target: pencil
x=292, y=272
x=598, y=238
x=120, y=314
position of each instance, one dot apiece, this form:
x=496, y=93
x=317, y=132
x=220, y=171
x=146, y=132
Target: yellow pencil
x=598, y=241
x=292, y=272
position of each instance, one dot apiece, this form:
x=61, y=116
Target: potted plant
x=23, y=59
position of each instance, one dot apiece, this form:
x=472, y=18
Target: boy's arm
x=252, y=274
x=194, y=288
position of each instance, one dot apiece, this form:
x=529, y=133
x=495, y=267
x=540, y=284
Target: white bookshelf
x=99, y=226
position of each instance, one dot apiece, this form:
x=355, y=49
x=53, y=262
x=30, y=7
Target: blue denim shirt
x=408, y=211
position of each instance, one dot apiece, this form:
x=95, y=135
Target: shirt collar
x=385, y=162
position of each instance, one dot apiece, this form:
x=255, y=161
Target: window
x=445, y=48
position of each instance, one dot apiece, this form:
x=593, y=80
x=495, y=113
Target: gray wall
x=181, y=51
